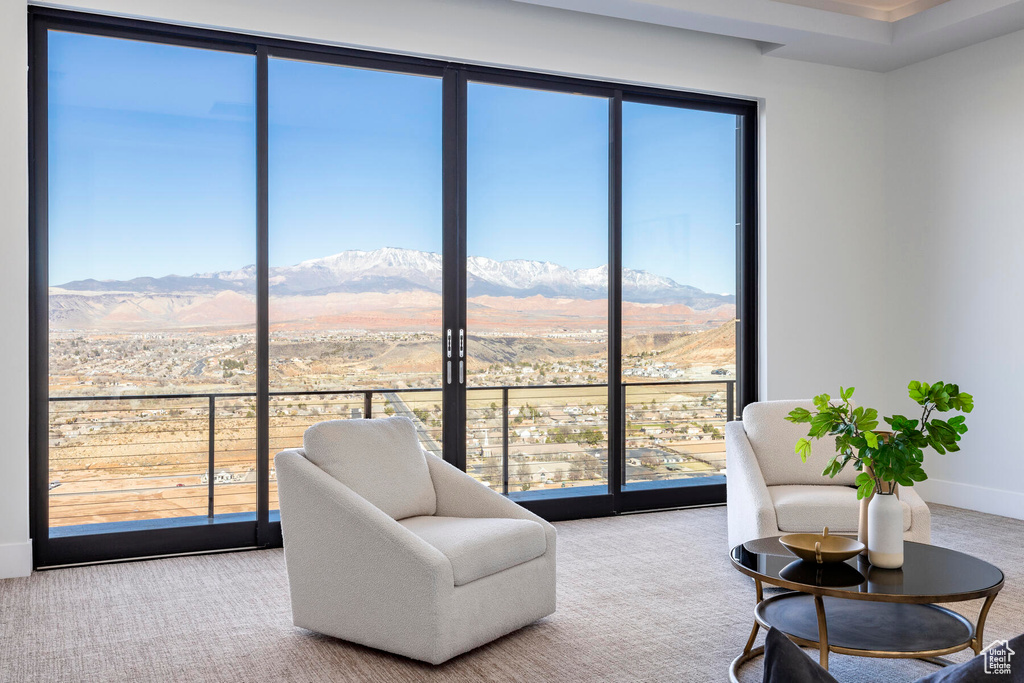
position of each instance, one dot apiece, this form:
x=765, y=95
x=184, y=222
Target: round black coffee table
x=853, y=608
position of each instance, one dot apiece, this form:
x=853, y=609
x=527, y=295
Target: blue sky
x=151, y=159
x=152, y=167
x=537, y=176
x=355, y=161
x=679, y=195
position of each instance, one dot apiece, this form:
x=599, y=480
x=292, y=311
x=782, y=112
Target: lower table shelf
x=869, y=628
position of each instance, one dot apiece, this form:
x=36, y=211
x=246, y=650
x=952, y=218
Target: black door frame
x=263, y=529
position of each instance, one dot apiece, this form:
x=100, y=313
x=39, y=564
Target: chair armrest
x=920, y=516
x=460, y=495
x=335, y=537
x=750, y=509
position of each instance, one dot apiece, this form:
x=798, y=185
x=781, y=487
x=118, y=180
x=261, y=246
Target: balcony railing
x=154, y=457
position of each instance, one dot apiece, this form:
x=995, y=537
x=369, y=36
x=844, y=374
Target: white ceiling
x=876, y=35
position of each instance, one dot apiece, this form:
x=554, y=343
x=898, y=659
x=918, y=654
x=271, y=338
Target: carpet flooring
x=647, y=597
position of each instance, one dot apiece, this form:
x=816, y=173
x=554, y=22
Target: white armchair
x=391, y=547
x=771, y=492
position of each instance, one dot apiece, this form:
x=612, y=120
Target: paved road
x=197, y=369
x=401, y=408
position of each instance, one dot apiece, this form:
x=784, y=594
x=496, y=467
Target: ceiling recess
x=875, y=35
x=880, y=10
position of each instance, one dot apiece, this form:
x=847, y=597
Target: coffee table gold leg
x=757, y=626
x=734, y=668
x=749, y=652
x=819, y=605
x=753, y=636
x=979, y=630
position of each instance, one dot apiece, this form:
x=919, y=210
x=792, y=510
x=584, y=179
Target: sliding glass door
x=679, y=219
x=355, y=249
x=150, y=327
x=235, y=238
x=537, y=291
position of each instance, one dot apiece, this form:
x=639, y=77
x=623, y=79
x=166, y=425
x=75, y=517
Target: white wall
x=15, y=551
x=822, y=151
x=955, y=173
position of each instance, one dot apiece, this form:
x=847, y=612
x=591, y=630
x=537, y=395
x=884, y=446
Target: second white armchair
x=771, y=492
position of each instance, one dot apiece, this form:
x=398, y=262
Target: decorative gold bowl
x=821, y=548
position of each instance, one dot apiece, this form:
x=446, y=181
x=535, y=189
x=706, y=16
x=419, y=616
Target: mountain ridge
x=390, y=269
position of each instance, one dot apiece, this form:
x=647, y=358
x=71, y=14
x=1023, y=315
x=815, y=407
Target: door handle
x=449, y=372
x=462, y=378
x=449, y=347
x=462, y=343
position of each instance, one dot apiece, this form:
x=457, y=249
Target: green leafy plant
x=885, y=458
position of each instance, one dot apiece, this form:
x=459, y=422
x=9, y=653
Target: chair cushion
x=785, y=662
x=806, y=509
x=773, y=439
x=380, y=459
x=479, y=547
x=976, y=670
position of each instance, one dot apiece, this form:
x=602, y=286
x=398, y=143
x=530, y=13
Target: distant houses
x=228, y=477
x=222, y=477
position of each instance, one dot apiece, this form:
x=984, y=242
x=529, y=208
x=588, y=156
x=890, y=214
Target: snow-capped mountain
x=401, y=270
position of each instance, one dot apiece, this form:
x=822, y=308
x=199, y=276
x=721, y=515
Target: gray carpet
x=641, y=598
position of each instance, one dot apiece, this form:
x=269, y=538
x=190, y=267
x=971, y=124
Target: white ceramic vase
x=885, y=531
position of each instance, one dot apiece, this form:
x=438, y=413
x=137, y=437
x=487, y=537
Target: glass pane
x=355, y=249
x=151, y=253
x=537, y=284
x=678, y=292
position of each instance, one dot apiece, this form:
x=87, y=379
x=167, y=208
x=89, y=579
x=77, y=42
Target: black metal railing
x=108, y=441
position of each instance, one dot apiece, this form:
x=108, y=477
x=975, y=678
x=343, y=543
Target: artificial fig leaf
x=868, y=420
x=798, y=415
x=803, y=449
x=821, y=424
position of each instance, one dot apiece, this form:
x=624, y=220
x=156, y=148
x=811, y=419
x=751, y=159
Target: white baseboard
x=15, y=560
x=971, y=497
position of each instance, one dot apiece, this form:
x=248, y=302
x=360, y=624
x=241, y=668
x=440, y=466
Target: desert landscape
x=361, y=324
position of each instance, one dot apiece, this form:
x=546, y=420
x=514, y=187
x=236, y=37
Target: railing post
x=504, y=440
x=730, y=389
x=367, y=404
x=212, y=452
x=623, y=442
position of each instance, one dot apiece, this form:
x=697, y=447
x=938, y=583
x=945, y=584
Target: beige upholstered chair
x=771, y=492
x=391, y=547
